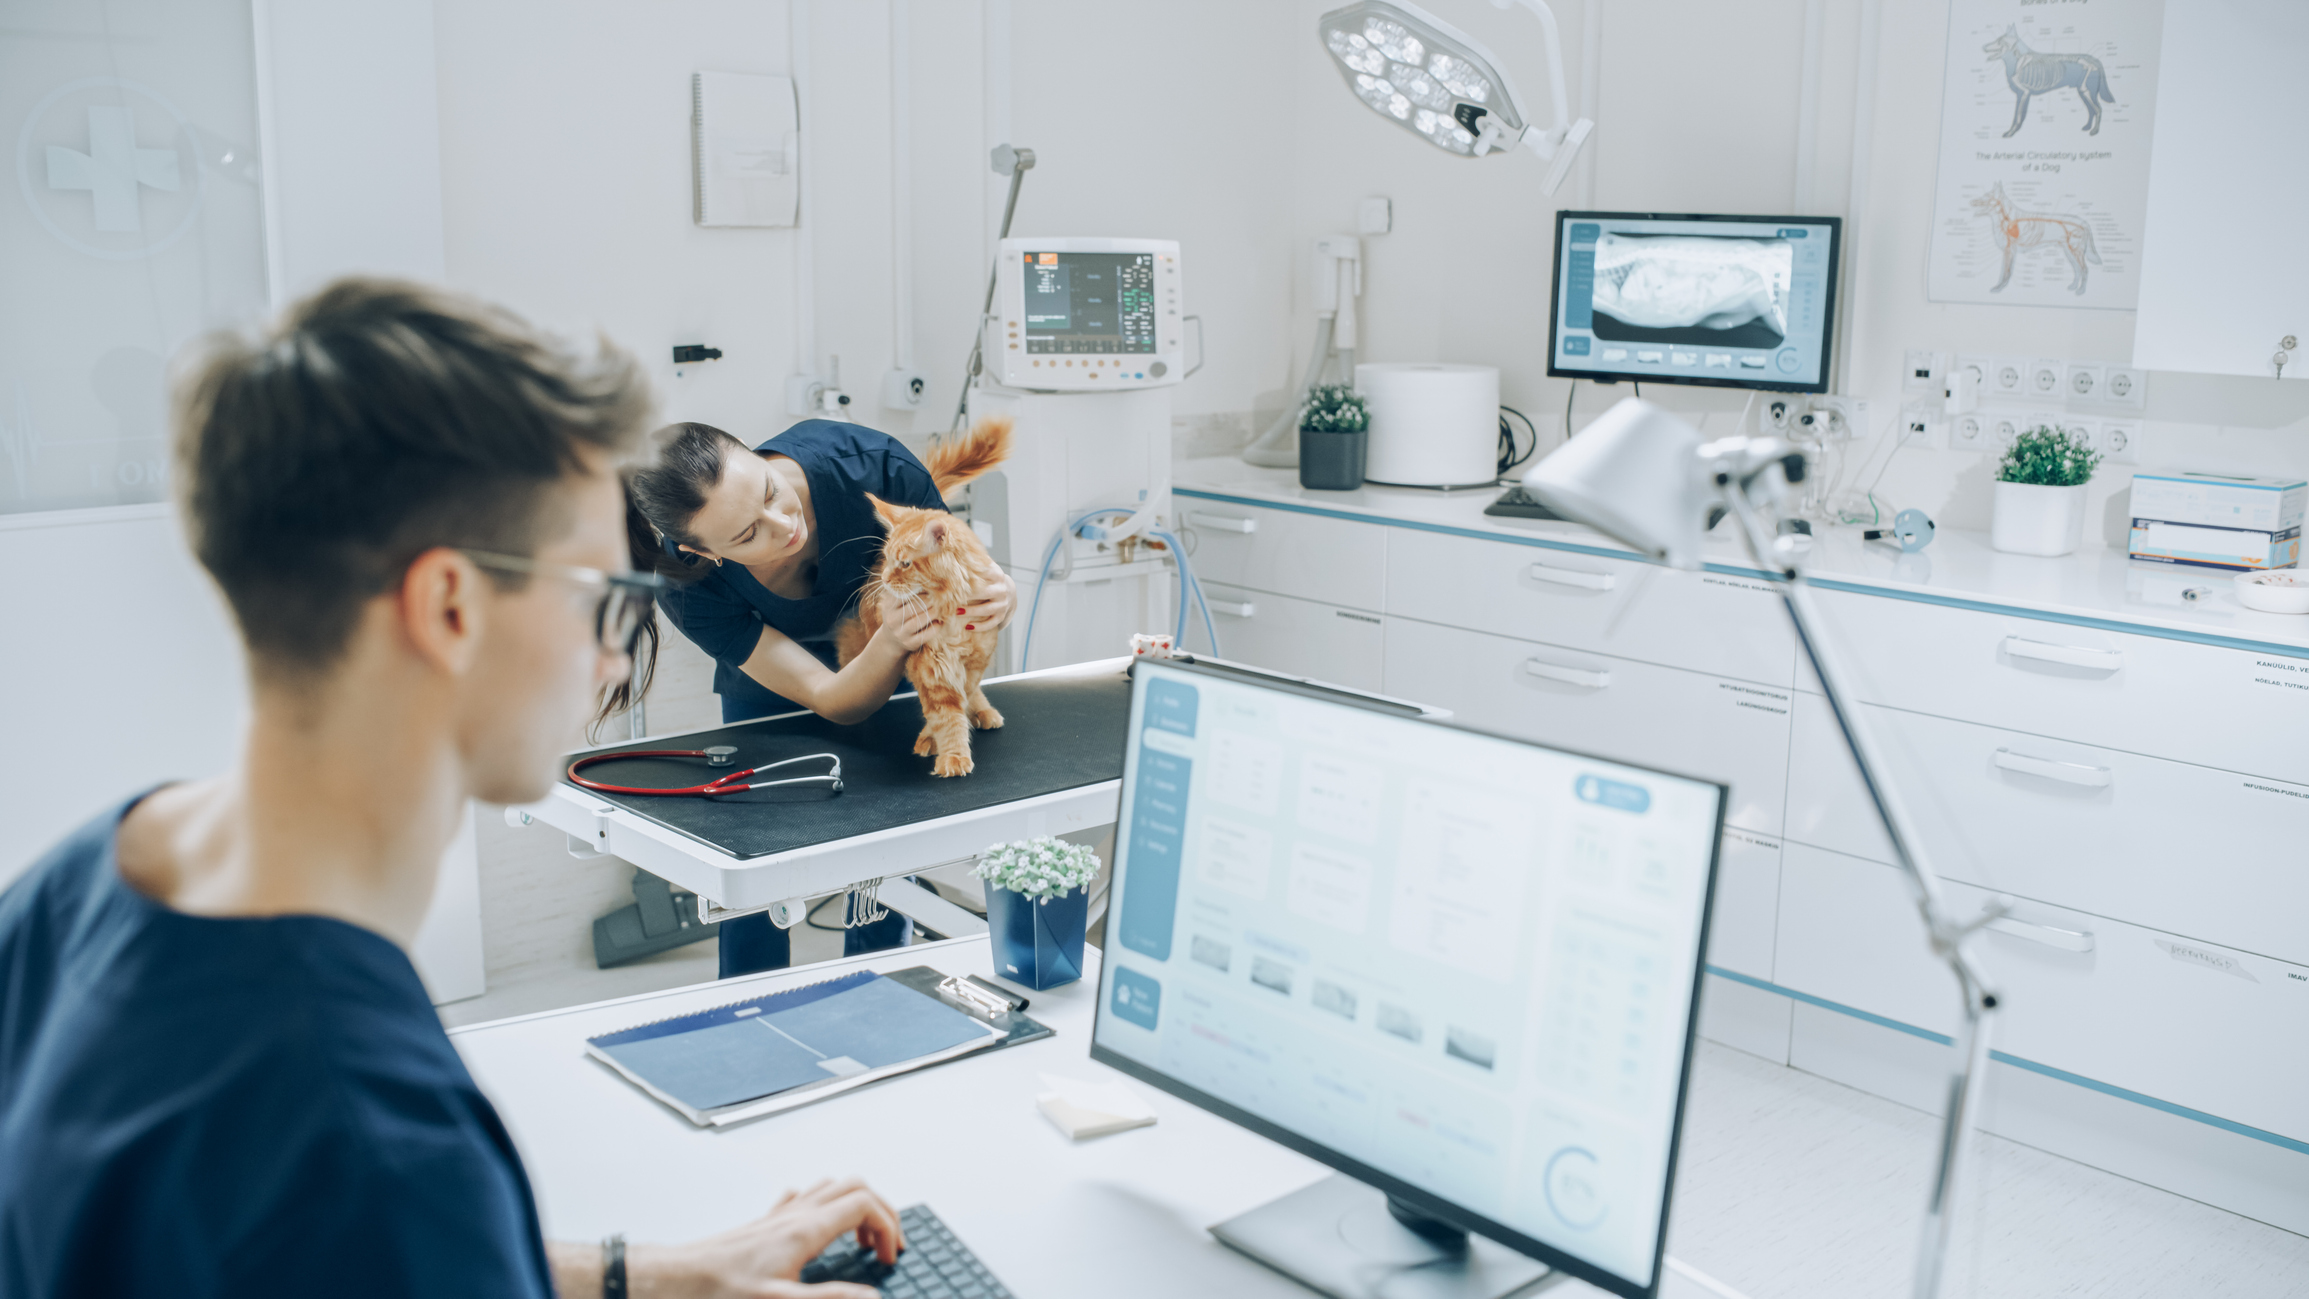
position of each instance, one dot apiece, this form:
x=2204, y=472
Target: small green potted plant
x=1334, y=434
x=2040, y=492
x=1037, y=908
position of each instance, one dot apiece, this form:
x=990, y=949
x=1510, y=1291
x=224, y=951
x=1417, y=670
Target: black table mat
x=1059, y=732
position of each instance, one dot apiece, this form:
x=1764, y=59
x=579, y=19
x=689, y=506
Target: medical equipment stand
x=1014, y=163
x=1747, y=472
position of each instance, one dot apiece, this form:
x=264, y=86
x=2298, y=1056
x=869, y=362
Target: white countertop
x=2094, y=585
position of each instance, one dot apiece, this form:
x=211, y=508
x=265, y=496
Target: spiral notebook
x=801, y=1045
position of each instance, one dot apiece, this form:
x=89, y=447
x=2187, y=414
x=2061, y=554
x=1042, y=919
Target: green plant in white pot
x=2040, y=492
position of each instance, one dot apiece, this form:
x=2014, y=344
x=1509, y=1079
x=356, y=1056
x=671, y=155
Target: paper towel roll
x=1431, y=425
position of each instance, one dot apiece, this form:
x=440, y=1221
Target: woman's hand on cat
x=908, y=624
x=993, y=607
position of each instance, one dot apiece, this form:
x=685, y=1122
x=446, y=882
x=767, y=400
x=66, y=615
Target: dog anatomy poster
x=2045, y=115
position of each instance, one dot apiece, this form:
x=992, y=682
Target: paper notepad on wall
x=789, y=1048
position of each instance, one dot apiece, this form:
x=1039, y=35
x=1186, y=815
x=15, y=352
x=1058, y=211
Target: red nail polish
x=961, y=611
x=970, y=626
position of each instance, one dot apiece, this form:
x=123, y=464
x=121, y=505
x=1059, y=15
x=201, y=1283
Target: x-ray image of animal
x=2030, y=74
x=2018, y=232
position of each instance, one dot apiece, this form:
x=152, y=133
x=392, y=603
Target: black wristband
x=613, y=1267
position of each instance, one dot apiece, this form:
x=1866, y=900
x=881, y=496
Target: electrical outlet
x=1919, y=425
x=1970, y=433
x=2083, y=430
x=2085, y=382
x=802, y=391
x=2122, y=385
x=1833, y=418
x=903, y=389
x=1778, y=412
x=2005, y=428
x=2046, y=379
x=2121, y=441
x=1923, y=372
x=1981, y=368
x=2008, y=377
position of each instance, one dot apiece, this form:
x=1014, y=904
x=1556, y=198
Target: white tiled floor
x=1794, y=1187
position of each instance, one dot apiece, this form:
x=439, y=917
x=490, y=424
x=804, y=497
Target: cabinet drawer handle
x=1233, y=608
x=1574, y=577
x=2068, y=773
x=2076, y=656
x=1580, y=677
x=2068, y=940
x=1223, y=522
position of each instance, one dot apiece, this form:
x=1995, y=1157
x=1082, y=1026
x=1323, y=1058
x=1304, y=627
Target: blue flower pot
x=1038, y=944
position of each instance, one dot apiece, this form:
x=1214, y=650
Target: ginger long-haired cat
x=933, y=558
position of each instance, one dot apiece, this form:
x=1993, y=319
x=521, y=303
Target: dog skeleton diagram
x=2030, y=74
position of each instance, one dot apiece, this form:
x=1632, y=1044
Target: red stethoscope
x=720, y=755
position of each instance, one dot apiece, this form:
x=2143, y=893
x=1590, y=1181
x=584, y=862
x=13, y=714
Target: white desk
x=1118, y=1216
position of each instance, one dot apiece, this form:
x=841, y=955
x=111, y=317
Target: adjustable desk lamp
x=1643, y=477
x=1440, y=84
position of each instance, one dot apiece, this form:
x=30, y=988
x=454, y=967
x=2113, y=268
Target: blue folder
x=802, y=1037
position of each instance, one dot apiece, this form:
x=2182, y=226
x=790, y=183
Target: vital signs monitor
x=1086, y=315
x=1726, y=301
x=1458, y=968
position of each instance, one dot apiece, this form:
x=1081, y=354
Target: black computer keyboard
x=1516, y=503
x=935, y=1265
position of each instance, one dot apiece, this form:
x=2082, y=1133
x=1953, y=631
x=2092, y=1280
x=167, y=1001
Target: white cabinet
x=2189, y=849
x=2223, y=281
x=2205, y=704
x=1331, y=561
x=1735, y=732
x=1708, y=622
x=1743, y=924
x=2180, y=1020
x=1300, y=637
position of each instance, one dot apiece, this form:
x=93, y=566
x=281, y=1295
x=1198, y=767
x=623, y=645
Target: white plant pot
x=2033, y=520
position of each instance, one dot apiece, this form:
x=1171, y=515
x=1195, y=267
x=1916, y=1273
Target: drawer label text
x=1763, y=701
x=2207, y=958
x=1765, y=587
x=2275, y=789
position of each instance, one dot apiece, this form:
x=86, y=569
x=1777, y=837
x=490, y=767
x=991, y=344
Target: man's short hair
x=376, y=420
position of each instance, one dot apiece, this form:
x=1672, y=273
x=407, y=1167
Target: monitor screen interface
x=1089, y=302
x=1462, y=962
x=1728, y=301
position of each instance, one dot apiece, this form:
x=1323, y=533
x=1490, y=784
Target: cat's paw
x=952, y=764
x=924, y=746
x=985, y=719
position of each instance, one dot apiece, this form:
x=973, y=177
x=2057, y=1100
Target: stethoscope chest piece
x=721, y=755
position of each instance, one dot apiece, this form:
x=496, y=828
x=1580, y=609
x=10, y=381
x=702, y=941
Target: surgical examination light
x=1440, y=84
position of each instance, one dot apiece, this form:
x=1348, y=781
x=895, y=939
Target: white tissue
x=1091, y=1109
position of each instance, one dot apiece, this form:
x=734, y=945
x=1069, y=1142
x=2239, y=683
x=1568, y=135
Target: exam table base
x=1337, y=1237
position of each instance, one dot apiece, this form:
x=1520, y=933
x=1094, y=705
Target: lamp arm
x=1951, y=939
x=1559, y=99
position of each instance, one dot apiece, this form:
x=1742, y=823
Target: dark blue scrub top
x=195, y=1107
x=724, y=611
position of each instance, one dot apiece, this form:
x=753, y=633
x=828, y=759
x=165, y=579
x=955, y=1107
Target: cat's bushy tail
x=955, y=461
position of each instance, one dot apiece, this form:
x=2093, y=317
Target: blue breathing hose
x=1188, y=585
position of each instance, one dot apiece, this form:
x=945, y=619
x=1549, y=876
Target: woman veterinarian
x=771, y=547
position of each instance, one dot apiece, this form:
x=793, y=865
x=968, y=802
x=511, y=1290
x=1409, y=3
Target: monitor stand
x=1350, y=1241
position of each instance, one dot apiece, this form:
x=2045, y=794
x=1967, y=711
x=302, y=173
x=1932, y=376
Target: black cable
x=810, y=917
x=1570, y=390
x=1638, y=387
x=1508, y=459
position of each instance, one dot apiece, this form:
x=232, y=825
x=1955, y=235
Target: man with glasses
x=219, y=1074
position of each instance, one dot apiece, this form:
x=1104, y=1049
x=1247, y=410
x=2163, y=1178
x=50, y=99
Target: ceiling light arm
x=1543, y=142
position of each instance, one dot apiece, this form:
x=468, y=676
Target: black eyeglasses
x=627, y=599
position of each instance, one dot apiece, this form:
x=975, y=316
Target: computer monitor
x=1458, y=968
x=1722, y=301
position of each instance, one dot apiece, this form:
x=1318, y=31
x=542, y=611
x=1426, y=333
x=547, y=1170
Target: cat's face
x=927, y=552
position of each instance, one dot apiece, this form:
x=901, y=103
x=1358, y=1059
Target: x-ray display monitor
x=1724, y=301
x=1457, y=967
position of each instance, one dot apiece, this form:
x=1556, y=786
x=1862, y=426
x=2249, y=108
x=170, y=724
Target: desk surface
x=1118, y=1216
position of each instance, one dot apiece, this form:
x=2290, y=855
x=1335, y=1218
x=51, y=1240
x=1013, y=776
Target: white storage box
x=2220, y=500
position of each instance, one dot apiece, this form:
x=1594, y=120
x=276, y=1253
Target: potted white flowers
x=1037, y=908
x=2040, y=493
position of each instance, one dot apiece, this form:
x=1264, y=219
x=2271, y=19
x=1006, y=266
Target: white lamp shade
x=1634, y=475
x=1421, y=73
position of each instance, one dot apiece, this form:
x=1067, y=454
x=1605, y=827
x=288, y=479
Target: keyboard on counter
x=935, y=1264
x=1516, y=503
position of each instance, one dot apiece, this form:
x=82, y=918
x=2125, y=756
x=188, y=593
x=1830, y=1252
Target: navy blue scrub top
x=724, y=612
x=198, y=1106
